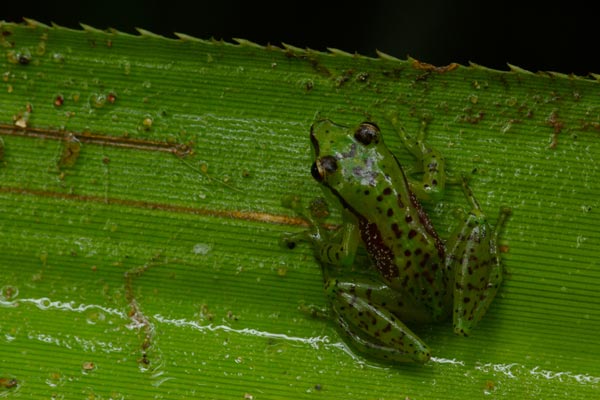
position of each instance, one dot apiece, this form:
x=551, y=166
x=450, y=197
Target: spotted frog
x=417, y=278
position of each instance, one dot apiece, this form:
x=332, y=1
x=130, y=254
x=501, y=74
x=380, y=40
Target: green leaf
x=141, y=181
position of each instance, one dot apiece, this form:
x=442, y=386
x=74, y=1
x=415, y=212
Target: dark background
x=546, y=36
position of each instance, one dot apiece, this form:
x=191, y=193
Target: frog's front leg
x=368, y=312
x=473, y=259
x=338, y=248
x=334, y=248
x=430, y=162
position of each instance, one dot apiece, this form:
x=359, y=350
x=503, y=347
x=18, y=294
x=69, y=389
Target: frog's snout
x=314, y=141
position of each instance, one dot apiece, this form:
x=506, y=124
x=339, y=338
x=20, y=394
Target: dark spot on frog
x=400, y=202
x=367, y=192
x=405, y=283
x=390, y=212
x=428, y=276
x=387, y=191
x=387, y=328
x=408, y=218
x=412, y=233
x=407, y=253
x=373, y=319
x=397, y=231
x=380, y=198
x=425, y=258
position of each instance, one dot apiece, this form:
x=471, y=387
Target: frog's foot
x=336, y=247
x=317, y=212
x=370, y=347
x=372, y=328
x=474, y=257
x=314, y=311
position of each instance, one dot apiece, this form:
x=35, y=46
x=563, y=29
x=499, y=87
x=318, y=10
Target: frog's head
x=346, y=159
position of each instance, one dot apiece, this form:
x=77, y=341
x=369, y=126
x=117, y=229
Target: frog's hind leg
x=373, y=329
x=473, y=255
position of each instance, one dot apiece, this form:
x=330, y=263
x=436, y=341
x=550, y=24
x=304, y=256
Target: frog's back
x=401, y=239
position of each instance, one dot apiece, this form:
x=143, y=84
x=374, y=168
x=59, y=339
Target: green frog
x=417, y=278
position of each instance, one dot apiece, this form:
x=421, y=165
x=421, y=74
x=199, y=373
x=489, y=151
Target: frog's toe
x=461, y=330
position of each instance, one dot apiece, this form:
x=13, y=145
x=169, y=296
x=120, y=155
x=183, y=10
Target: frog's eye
x=323, y=166
x=367, y=133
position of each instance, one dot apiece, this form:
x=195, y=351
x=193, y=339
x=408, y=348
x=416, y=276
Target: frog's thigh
x=372, y=328
x=378, y=294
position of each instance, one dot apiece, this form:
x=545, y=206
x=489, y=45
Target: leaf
x=141, y=181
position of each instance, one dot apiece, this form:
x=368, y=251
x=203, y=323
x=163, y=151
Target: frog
x=410, y=276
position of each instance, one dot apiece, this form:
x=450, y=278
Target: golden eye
x=324, y=165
